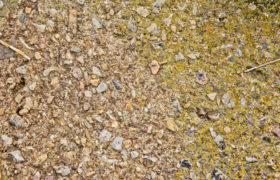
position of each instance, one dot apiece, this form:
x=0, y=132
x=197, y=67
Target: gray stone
x=21, y=70
x=76, y=49
x=96, y=71
x=117, y=85
x=219, y=140
x=117, y=143
x=251, y=159
x=16, y=156
x=134, y=154
x=102, y=87
x=7, y=141
x=105, y=136
x=96, y=23
x=63, y=170
x=16, y=121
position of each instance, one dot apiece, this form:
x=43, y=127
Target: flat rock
x=16, y=156
x=117, y=143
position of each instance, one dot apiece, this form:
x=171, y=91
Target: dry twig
x=15, y=49
x=262, y=65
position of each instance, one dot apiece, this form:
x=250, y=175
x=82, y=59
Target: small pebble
x=201, y=78
x=105, y=136
x=96, y=23
x=153, y=29
x=251, y=159
x=96, y=71
x=63, y=170
x=1, y=4
x=21, y=70
x=102, y=87
x=218, y=139
x=143, y=11
x=76, y=49
x=117, y=143
x=16, y=156
x=7, y=141
x=179, y=57
x=212, y=96
x=16, y=121
x=117, y=85
x=134, y=154
x=77, y=73
x=88, y=94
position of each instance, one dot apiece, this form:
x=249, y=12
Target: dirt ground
x=139, y=90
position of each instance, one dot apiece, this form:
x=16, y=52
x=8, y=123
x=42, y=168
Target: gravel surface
x=139, y=90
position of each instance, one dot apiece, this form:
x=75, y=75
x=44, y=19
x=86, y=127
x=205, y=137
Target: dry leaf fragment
x=154, y=67
x=171, y=125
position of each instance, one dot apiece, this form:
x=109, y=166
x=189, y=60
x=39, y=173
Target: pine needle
x=15, y=49
x=262, y=65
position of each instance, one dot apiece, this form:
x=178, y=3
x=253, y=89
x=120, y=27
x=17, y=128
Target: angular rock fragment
x=117, y=143
x=16, y=121
x=16, y=156
x=102, y=87
x=63, y=170
x=105, y=136
x=219, y=140
x=7, y=141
